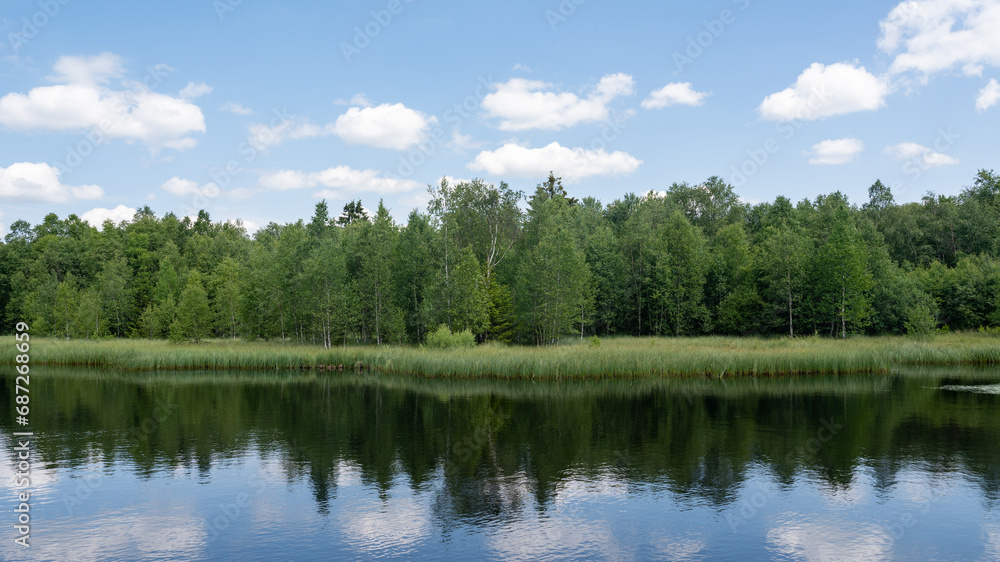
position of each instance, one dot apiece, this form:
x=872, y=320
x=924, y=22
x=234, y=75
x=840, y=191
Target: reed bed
x=613, y=358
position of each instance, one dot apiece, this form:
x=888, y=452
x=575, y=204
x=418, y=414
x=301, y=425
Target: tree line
x=506, y=267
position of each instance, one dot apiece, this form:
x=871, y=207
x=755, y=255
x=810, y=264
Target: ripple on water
x=978, y=388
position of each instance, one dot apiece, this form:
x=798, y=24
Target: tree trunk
x=791, y=331
x=843, y=311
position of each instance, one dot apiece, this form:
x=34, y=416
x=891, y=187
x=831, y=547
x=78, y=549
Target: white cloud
x=183, y=188
x=384, y=126
x=98, y=69
x=82, y=101
x=192, y=90
x=341, y=177
x=249, y=226
x=179, y=187
x=40, y=182
x=675, y=93
x=929, y=36
x=461, y=143
x=96, y=217
x=988, y=96
x=263, y=136
x=924, y=156
x=233, y=107
x=839, y=151
x=360, y=100
x=571, y=163
x=825, y=91
x=415, y=200
x=522, y=104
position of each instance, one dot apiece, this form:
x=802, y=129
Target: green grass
x=613, y=358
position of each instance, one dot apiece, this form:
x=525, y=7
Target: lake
x=265, y=466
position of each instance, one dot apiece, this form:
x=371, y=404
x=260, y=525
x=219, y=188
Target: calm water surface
x=258, y=466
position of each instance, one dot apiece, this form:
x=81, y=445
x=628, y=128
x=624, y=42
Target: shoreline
x=625, y=357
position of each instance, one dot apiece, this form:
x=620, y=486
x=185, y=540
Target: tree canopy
x=688, y=260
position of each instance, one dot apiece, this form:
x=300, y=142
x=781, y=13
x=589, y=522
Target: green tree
x=470, y=300
x=782, y=258
x=227, y=281
x=66, y=301
x=842, y=278
x=681, y=257
x=554, y=285
x=194, y=316
x=384, y=320
x=114, y=285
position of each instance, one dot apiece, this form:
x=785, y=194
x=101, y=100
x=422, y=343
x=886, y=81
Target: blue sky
x=256, y=110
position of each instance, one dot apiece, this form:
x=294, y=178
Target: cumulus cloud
x=825, y=91
x=192, y=90
x=839, y=151
x=522, y=104
x=924, y=156
x=238, y=109
x=928, y=36
x=179, y=187
x=988, y=96
x=184, y=188
x=572, y=164
x=40, y=182
x=343, y=178
x=263, y=136
x=97, y=216
x=384, y=126
x=675, y=93
x=360, y=100
x=83, y=100
x=93, y=70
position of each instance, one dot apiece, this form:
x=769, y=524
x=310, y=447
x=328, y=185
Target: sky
x=258, y=110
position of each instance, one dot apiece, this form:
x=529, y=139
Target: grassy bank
x=613, y=358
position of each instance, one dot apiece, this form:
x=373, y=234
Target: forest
x=503, y=266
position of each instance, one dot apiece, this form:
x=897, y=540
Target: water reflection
x=815, y=468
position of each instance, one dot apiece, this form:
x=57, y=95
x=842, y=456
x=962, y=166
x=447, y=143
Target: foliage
x=691, y=259
x=444, y=338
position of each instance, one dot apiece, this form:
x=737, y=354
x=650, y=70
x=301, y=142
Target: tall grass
x=613, y=358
